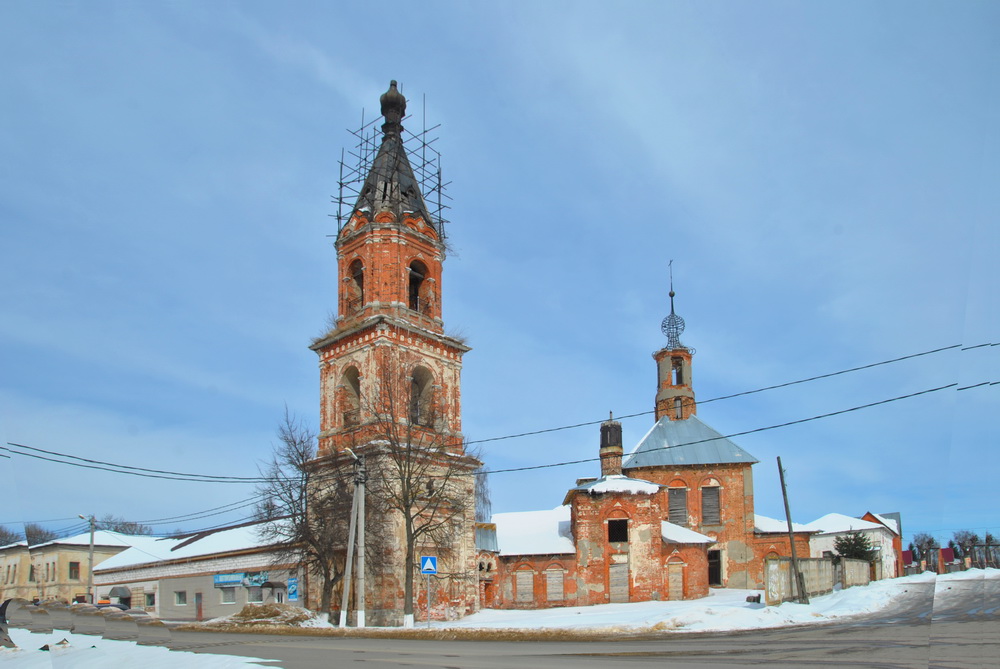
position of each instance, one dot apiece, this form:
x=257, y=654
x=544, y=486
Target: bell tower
x=389, y=336
x=390, y=390
x=674, y=390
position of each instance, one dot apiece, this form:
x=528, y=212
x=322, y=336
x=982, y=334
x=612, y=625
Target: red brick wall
x=734, y=533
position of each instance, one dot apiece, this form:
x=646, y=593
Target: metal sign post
x=428, y=566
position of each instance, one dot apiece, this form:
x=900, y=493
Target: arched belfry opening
x=356, y=278
x=351, y=406
x=417, y=278
x=421, y=397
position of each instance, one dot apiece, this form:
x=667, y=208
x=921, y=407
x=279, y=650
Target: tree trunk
x=408, y=564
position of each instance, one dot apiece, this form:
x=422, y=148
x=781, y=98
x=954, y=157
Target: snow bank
x=82, y=651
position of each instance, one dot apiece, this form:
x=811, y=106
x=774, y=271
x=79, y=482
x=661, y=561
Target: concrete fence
x=821, y=576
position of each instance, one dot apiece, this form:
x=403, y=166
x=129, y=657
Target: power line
x=740, y=394
x=735, y=434
x=138, y=469
x=182, y=476
x=191, y=516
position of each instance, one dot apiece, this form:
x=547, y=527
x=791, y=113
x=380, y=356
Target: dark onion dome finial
x=393, y=109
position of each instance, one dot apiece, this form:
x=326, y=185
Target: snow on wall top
x=619, y=483
x=833, y=523
x=675, y=534
x=771, y=525
x=534, y=532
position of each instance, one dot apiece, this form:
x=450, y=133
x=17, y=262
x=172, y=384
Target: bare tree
x=416, y=473
x=484, y=505
x=36, y=534
x=305, y=512
x=118, y=524
x=965, y=540
x=8, y=536
x=923, y=543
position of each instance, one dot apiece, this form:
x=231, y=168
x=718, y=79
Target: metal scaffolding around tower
x=425, y=160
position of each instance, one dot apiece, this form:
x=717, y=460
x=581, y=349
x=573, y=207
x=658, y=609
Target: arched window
x=678, y=408
x=420, y=409
x=356, y=298
x=418, y=273
x=351, y=382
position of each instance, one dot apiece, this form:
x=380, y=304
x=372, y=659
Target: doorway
x=197, y=606
x=715, y=568
x=618, y=582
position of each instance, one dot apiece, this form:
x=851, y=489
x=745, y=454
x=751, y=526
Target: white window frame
x=180, y=598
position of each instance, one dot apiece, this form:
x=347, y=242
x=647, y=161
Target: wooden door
x=675, y=580
x=618, y=582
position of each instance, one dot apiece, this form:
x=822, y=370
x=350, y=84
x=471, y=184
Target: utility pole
x=360, y=481
x=800, y=581
x=357, y=511
x=90, y=571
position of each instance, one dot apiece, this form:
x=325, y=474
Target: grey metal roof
x=684, y=442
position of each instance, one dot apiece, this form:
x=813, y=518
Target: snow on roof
x=833, y=523
x=157, y=550
x=101, y=538
x=619, y=483
x=675, y=534
x=888, y=522
x=16, y=544
x=534, y=532
x=765, y=524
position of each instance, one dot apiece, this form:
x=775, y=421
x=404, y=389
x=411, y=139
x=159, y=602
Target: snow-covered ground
x=83, y=651
x=724, y=610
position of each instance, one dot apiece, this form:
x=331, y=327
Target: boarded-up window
x=678, y=514
x=710, y=514
x=524, y=583
x=554, y=584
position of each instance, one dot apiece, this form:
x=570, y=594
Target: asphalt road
x=959, y=627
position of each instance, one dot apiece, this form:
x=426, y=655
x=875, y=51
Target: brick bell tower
x=389, y=259
x=388, y=371
x=674, y=390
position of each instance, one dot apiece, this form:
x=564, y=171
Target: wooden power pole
x=800, y=581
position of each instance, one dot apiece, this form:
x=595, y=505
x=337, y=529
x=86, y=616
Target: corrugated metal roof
x=684, y=442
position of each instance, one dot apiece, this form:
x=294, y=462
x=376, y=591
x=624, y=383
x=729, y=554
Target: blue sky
x=823, y=176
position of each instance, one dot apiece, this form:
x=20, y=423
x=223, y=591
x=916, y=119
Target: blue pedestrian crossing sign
x=428, y=564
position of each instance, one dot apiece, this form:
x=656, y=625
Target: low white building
x=835, y=525
x=199, y=576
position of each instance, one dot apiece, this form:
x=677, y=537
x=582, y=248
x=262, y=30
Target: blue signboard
x=428, y=564
x=228, y=580
x=293, y=589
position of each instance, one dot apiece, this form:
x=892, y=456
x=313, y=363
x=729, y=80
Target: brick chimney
x=611, y=448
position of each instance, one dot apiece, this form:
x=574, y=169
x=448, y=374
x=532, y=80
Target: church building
x=668, y=521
